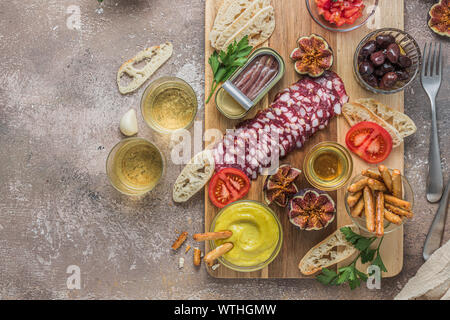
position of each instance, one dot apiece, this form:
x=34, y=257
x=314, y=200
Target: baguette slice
x=325, y=253
x=153, y=57
x=258, y=29
x=400, y=121
x=354, y=113
x=240, y=22
x=228, y=12
x=194, y=176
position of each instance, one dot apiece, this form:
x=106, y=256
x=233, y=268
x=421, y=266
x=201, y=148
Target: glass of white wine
x=135, y=166
x=169, y=104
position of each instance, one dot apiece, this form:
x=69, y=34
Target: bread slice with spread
x=153, y=58
x=334, y=249
x=194, y=176
x=258, y=29
x=355, y=112
x=228, y=12
x=240, y=22
x=400, y=121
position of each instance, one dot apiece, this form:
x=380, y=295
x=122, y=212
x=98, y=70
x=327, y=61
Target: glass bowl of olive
x=386, y=61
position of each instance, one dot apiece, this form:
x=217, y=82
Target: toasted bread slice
x=240, y=22
x=194, y=176
x=400, y=121
x=258, y=29
x=228, y=12
x=330, y=251
x=355, y=112
x=153, y=58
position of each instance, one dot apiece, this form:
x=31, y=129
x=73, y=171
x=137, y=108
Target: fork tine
x=424, y=61
x=430, y=60
x=439, y=66
x=436, y=53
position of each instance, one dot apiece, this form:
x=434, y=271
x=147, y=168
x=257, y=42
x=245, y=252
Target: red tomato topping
x=340, y=12
x=228, y=185
x=369, y=141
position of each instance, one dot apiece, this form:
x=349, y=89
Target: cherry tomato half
x=340, y=12
x=369, y=141
x=228, y=185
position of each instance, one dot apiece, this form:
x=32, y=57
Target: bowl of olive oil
x=169, y=104
x=135, y=166
x=328, y=166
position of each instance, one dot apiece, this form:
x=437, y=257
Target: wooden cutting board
x=292, y=21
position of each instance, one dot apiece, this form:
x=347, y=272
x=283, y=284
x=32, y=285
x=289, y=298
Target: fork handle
x=434, y=237
x=435, y=181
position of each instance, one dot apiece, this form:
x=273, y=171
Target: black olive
x=404, y=61
x=368, y=48
x=386, y=67
x=388, y=80
x=379, y=72
x=366, y=68
x=393, y=52
x=402, y=75
x=384, y=40
x=377, y=58
x=371, y=80
x=361, y=58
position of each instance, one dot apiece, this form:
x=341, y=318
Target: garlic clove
x=128, y=123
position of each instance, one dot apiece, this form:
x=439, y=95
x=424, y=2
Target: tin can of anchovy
x=250, y=83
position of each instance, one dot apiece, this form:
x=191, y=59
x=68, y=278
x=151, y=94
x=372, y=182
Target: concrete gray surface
x=59, y=115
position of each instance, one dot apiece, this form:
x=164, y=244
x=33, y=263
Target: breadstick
x=398, y=211
x=358, y=208
x=181, y=239
x=391, y=217
x=379, y=214
x=397, y=202
x=197, y=256
x=386, y=175
x=217, y=252
x=397, y=186
x=212, y=235
x=358, y=186
x=371, y=174
x=369, y=209
x=353, y=198
x=376, y=185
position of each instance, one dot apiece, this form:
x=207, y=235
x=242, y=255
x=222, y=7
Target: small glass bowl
x=410, y=48
x=157, y=87
x=369, y=11
x=337, y=183
x=262, y=265
x=389, y=227
x=114, y=174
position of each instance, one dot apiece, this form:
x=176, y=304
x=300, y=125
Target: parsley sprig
x=224, y=64
x=350, y=273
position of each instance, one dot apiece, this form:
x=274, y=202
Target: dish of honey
x=328, y=166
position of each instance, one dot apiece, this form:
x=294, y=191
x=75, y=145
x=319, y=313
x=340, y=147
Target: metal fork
x=431, y=77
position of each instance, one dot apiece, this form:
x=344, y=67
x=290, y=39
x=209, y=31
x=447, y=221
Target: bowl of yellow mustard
x=257, y=235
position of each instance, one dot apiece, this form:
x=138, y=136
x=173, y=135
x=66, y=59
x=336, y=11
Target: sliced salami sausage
x=296, y=113
x=331, y=80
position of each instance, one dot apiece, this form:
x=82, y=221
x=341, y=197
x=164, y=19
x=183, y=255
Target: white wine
x=169, y=104
x=135, y=166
